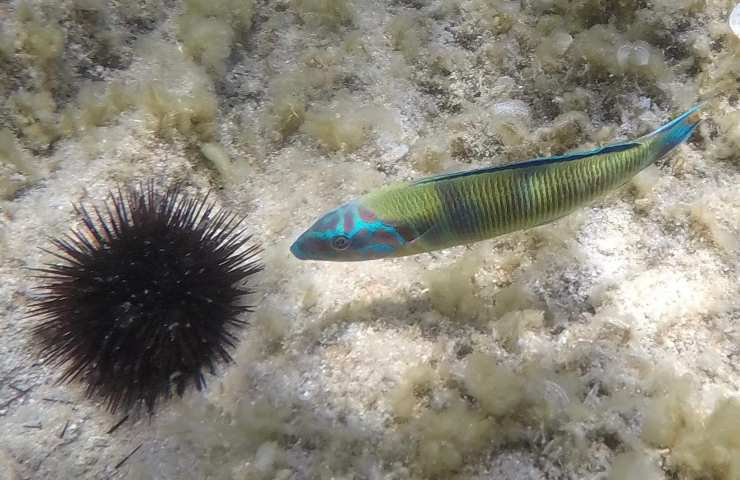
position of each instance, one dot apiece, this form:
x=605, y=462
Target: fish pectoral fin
x=427, y=238
x=411, y=235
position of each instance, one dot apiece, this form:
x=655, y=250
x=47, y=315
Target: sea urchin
x=147, y=296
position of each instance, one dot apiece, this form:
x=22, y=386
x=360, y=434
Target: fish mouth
x=295, y=249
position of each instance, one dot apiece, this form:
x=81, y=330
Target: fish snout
x=296, y=250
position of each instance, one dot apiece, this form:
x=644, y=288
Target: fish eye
x=340, y=242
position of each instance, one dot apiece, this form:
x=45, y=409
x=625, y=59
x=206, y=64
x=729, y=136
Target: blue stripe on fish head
x=351, y=232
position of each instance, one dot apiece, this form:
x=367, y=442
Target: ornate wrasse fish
x=465, y=207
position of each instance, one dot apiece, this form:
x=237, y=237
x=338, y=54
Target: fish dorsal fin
x=617, y=147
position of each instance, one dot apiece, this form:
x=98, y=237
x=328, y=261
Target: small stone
x=735, y=20
x=504, y=85
x=266, y=457
x=635, y=54
x=514, y=108
x=561, y=42
x=8, y=466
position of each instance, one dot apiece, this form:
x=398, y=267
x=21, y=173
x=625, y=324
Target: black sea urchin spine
x=146, y=296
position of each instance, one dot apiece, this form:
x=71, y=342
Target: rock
x=8, y=467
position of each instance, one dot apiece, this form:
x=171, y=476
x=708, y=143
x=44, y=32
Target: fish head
x=352, y=232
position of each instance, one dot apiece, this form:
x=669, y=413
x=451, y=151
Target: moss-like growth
x=729, y=145
x=670, y=412
x=331, y=14
x=42, y=42
x=713, y=215
x=633, y=466
x=453, y=291
x=12, y=153
x=207, y=29
x=141, y=12
x=91, y=25
x=700, y=447
x=714, y=447
x=286, y=115
x=567, y=131
x=208, y=40
x=513, y=325
x=591, y=12
x=430, y=154
x=220, y=161
x=97, y=104
x=495, y=406
x=499, y=390
x=273, y=326
x=36, y=117
x=497, y=16
x=343, y=128
x=668, y=7
x=510, y=122
x=218, y=157
x=167, y=114
x=269, y=461
x=407, y=35
x=515, y=297
x=17, y=167
x=249, y=425
x=608, y=52
x=499, y=131
x=645, y=181
x=291, y=94
x=88, y=5
x=7, y=46
x=552, y=48
x=237, y=13
x=625, y=14
x=448, y=437
x=403, y=398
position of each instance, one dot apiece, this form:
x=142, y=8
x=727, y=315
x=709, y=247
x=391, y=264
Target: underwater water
x=603, y=345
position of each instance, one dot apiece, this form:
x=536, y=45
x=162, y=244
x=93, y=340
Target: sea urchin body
x=147, y=296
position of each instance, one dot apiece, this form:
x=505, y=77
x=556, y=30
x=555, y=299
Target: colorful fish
x=465, y=207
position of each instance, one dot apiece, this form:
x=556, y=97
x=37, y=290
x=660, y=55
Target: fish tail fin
x=676, y=131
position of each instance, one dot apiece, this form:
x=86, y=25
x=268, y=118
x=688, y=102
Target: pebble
x=735, y=20
x=8, y=466
x=636, y=54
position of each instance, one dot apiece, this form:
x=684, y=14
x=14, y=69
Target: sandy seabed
x=603, y=346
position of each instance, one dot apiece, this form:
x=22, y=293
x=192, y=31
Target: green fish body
x=466, y=207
